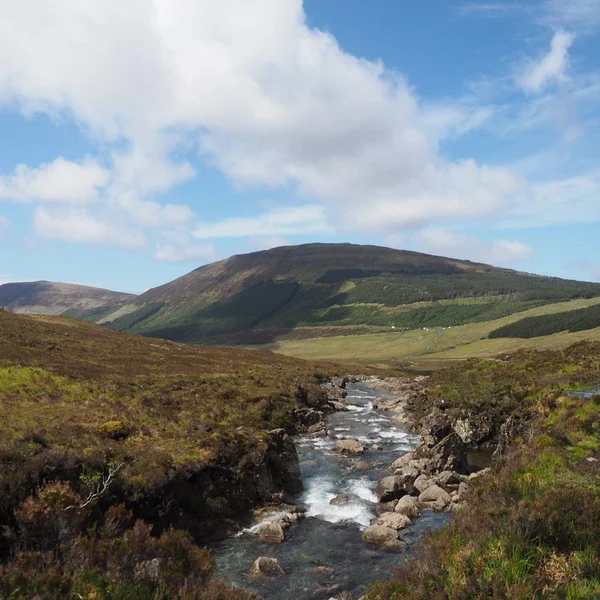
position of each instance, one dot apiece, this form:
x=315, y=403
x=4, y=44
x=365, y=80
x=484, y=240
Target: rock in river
x=271, y=532
x=408, y=506
x=350, y=447
x=266, y=567
x=382, y=536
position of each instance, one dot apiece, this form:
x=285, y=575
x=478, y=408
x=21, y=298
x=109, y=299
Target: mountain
x=46, y=297
x=334, y=289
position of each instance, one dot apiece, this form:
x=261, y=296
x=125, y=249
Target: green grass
x=435, y=347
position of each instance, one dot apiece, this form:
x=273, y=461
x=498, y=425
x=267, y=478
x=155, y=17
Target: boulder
x=336, y=394
x=317, y=427
x=394, y=520
x=340, y=499
x=376, y=448
x=385, y=537
x=448, y=478
x=434, y=427
x=271, y=532
x=422, y=482
x=339, y=382
x=350, y=447
x=408, y=506
x=384, y=507
x=450, y=454
x=434, y=497
x=463, y=489
x=266, y=567
x=338, y=406
x=390, y=488
x=309, y=416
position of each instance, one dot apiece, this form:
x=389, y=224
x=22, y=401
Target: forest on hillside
x=573, y=320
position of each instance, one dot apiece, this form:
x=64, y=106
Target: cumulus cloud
x=447, y=243
x=549, y=68
x=184, y=253
x=265, y=98
x=59, y=181
x=78, y=225
x=277, y=222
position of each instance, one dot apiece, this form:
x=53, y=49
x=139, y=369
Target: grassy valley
x=434, y=347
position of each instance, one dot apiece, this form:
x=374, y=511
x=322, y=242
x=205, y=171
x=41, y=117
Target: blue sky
x=143, y=139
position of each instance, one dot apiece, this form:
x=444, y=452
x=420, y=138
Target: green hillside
x=334, y=288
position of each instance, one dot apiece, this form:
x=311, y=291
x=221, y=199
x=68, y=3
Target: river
x=330, y=535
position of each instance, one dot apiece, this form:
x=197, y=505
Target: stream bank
x=324, y=553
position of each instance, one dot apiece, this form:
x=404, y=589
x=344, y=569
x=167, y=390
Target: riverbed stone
x=266, y=567
x=385, y=537
x=350, y=447
x=384, y=507
x=394, y=487
x=271, y=532
x=340, y=499
x=339, y=382
x=394, y=520
x=338, y=406
x=434, y=497
x=408, y=506
x=448, y=478
x=422, y=482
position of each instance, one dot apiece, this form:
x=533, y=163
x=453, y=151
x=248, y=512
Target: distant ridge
x=49, y=298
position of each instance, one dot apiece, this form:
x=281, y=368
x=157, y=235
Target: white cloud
x=553, y=202
x=59, y=181
x=584, y=14
x=549, y=68
x=5, y=224
x=277, y=222
x=267, y=99
x=77, y=225
x=446, y=243
x=185, y=253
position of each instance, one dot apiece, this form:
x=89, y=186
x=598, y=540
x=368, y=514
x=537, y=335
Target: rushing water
x=330, y=536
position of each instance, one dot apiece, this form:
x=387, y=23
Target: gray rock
x=463, y=490
x=384, y=507
x=338, y=406
x=339, y=382
x=408, y=506
x=272, y=533
x=393, y=487
x=394, y=520
x=448, y=478
x=434, y=497
x=422, y=482
x=266, y=567
x=350, y=447
x=434, y=427
x=385, y=537
x=340, y=499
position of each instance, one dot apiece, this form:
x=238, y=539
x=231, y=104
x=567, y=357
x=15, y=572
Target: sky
x=142, y=139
